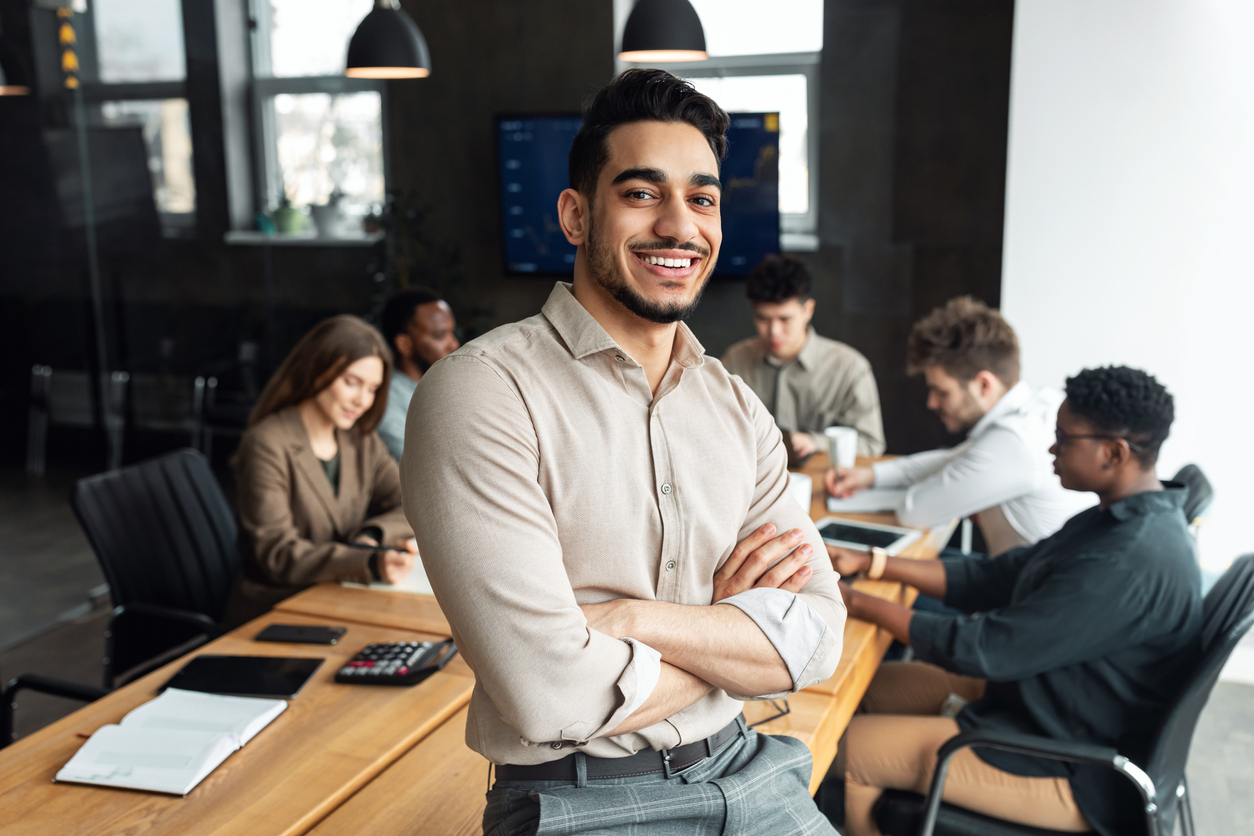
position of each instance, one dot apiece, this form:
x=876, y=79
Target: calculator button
x=403, y=670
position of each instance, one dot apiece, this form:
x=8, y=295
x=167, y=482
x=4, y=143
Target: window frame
x=798, y=232
x=264, y=86
x=176, y=225
x=794, y=227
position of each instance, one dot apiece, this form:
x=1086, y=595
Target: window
x=134, y=68
x=764, y=62
x=317, y=132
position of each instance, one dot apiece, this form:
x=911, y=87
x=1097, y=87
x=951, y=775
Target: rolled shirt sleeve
x=995, y=467
x=490, y=546
x=1078, y=612
x=806, y=628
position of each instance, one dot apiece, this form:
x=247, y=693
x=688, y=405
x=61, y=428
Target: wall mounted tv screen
x=532, y=153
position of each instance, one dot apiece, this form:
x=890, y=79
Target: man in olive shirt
x=605, y=518
x=808, y=382
x=1083, y=637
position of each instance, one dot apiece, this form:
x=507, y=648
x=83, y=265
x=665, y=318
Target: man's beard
x=969, y=416
x=604, y=271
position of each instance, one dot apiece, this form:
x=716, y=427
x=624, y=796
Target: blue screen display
x=532, y=158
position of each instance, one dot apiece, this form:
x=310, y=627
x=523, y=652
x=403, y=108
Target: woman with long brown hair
x=313, y=476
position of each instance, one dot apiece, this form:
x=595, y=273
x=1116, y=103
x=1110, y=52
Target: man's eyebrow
x=704, y=180
x=649, y=175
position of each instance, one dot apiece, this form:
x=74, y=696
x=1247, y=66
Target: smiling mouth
x=669, y=266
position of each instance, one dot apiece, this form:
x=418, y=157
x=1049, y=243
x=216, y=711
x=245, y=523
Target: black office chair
x=165, y=538
x=1201, y=492
x=1228, y=615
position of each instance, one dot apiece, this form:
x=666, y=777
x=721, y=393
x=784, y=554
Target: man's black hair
x=399, y=310
x=777, y=278
x=640, y=95
x=1126, y=402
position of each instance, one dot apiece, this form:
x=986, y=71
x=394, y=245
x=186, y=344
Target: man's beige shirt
x=548, y=475
x=829, y=384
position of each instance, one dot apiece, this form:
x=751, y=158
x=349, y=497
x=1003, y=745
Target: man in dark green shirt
x=1085, y=636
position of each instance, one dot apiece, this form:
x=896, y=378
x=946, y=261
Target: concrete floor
x=47, y=570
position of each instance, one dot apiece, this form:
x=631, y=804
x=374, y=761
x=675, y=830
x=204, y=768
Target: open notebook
x=869, y=501
x=171, y=743
x=416, y=582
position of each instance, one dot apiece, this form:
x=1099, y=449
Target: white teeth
x=668, y=262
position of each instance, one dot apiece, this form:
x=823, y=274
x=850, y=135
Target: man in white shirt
x=420, y=329
x=1002, y=473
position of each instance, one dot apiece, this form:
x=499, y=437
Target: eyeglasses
x=1061, y=438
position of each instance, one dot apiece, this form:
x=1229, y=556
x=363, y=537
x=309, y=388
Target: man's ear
x=808, y=307
x=404, y=346
x=572, y=214
x=982, y=383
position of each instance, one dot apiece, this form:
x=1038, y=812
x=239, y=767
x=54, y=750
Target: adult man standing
x=605, y=517
x=808, y=382
x=1002, y=473
x=420, y=329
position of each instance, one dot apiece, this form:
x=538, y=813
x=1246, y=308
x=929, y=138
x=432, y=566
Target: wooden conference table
x=345, y=759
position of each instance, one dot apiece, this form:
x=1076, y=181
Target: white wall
x=1130, y=218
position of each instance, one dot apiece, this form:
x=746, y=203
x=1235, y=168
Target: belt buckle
x=666, y=763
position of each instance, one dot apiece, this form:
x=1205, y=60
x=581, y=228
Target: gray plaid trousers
x=756, y=784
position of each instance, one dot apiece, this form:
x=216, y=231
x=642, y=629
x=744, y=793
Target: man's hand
x=394, y=567
x=803, y=444
x=749, y=565
x=848, y=562
x=843, y=482
x=853, y=600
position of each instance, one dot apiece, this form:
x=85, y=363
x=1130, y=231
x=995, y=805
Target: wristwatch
x=879, y=559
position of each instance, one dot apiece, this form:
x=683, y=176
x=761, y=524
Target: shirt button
x=620, y=358
x=666, y=488
x=670, y=566
x=555, y=744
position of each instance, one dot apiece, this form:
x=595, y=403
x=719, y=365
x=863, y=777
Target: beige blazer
x=292, y=526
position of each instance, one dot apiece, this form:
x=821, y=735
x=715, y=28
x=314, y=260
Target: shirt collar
x=1016, y=396
x=1170, y=498
x=583, y=335
x=807, y=357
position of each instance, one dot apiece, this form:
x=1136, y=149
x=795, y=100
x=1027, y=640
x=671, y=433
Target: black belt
x=644, y=762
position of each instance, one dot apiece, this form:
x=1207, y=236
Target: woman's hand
x=847, y=561
x=394, y=567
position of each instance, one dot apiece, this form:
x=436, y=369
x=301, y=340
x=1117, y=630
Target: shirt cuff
x=648, y=665
x=928, y=636
x=636, y=684
x=792, y=627
x=889, y=474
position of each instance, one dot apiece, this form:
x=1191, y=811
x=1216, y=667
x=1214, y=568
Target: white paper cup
x=801, y=486
x=842, y=445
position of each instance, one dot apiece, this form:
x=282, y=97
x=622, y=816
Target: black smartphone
x=301, y=634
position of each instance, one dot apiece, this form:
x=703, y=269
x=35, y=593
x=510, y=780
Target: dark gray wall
x=488, y=57
x=915, y=103
x=912, y=161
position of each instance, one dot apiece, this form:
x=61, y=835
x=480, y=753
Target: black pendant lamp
x=388, y=44
x=659, y=31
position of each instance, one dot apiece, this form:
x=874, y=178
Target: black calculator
x=396, y=663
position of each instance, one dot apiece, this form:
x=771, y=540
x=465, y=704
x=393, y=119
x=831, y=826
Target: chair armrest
x=1044, y=747
x=199, y=620
x=1028, y=744
x=45, y=685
